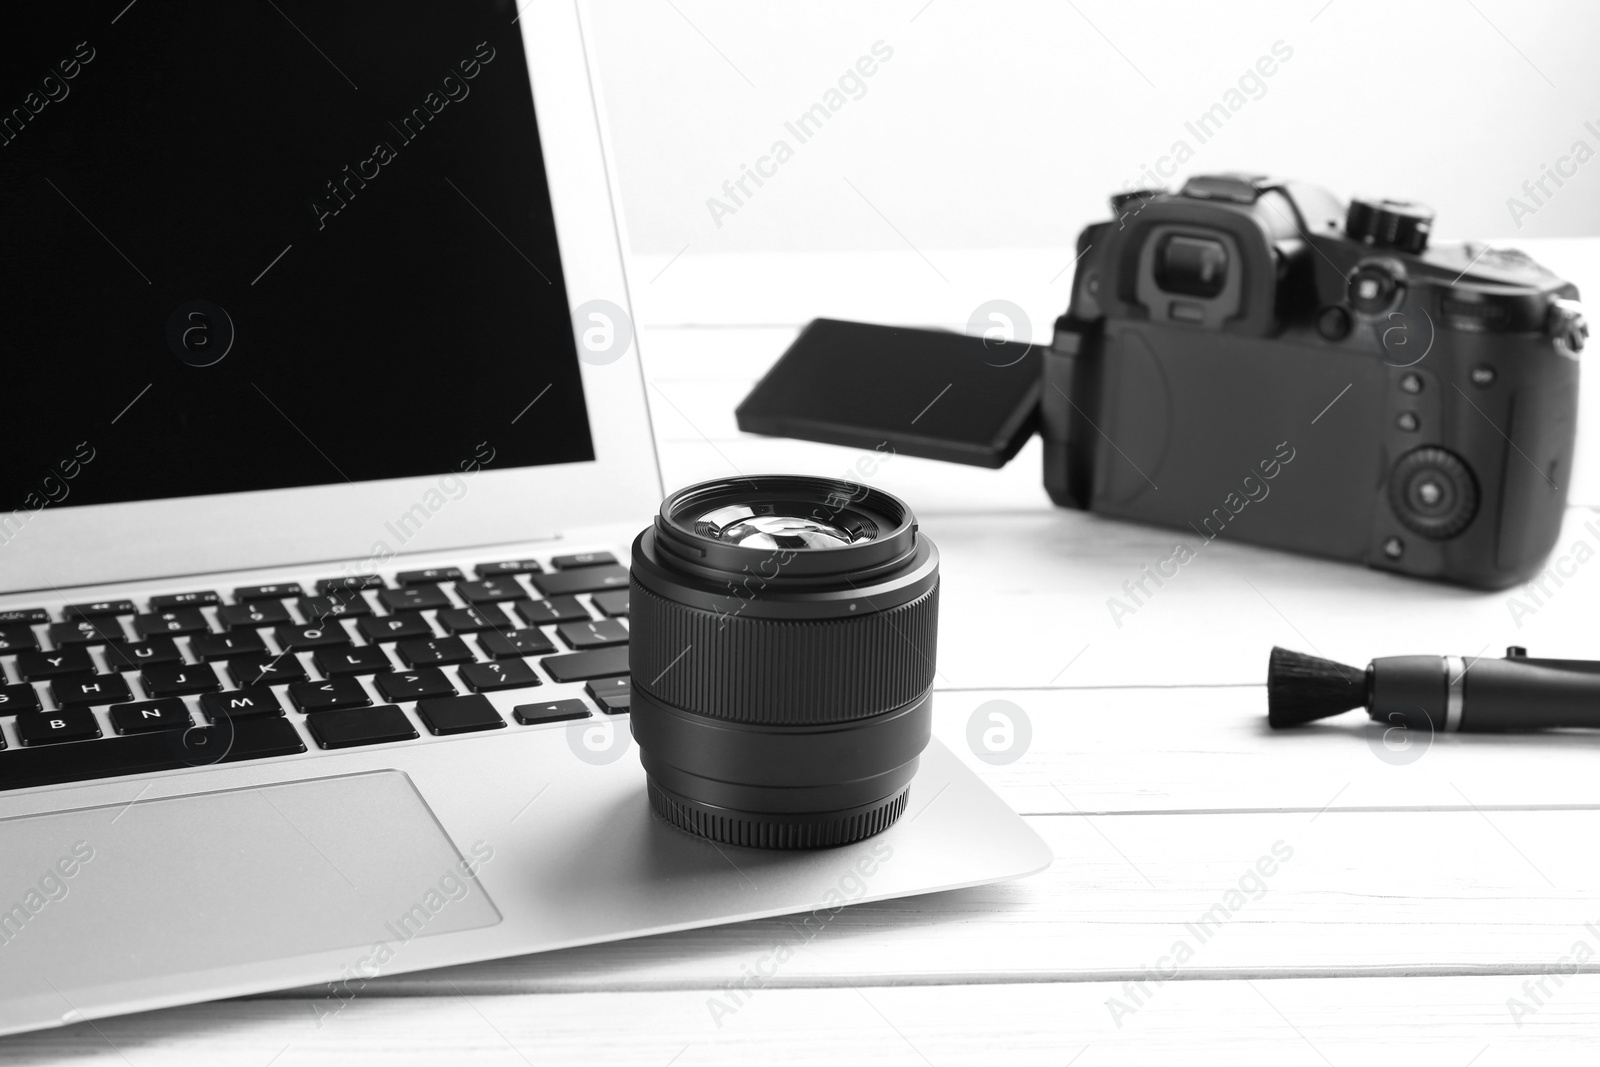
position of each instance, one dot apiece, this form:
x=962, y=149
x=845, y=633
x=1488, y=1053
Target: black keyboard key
x=613, y=603
x=509, y=644
x=55, y=727
x=150, y=715
x=322, y=608
x=431, y=575
x=246, y=593
x=257, y=739
x=491, y=590
x=414, y=598
x=253, y=615
x=171, y=622
x=81, y=690
x=473, y=620
x=556, y=609
x=133, y=655
x=179, y=679
x=200, y=598
x=143, y=753
x=249, y=702
x=99, y=609
x=502, y=674
x=434, y=653
x=41, y=666
x=15, y=698
x=506, y=567
x=582, y=666
x=343, y=662
x=330, y=634
x=17, y=638
x=593, y=634
x=86, y=632
x=26, y=616
x=330, y=695
x=400, y=686
x=612, y=694
x=393, y=627
x=265, y=669
x=582, y=559
x=211, y=647
x=581, y=580
x=555, y=711
x=361, y=726
x=459, y=715
x=349, y=583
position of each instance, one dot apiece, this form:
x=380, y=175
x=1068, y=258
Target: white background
x=1004, y=125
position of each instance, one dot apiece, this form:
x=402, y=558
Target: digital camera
x=1250, y=359
x=1248, y=356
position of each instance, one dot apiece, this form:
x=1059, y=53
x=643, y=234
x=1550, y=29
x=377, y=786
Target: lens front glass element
x=784, y=526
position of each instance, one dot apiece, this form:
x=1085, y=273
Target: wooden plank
x=1345, y=893
x=1373, y=1021
x=1028, y=594
x=1209, y=750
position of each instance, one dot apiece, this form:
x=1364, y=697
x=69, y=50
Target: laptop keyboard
x=196, y=677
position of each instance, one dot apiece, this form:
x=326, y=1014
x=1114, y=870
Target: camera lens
x=1433, y=493
x=781, y=644
x=1192, y=266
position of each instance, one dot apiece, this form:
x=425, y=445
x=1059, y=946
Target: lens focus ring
x=777, y=672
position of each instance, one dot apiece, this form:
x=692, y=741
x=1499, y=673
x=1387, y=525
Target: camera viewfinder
x=1192, y=266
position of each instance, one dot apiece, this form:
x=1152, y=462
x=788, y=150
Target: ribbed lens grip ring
x=775, y=672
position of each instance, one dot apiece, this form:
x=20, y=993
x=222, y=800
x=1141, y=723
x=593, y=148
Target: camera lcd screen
x=927, y=393
x=256, y=246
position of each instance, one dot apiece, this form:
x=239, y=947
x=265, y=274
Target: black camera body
x=1248, y=357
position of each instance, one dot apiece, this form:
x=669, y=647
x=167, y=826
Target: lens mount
x=781, y=644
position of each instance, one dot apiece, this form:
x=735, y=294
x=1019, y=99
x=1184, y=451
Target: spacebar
x=81, y=761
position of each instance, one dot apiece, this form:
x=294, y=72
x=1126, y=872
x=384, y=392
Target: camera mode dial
x=1433, y=492
x=1397, y=224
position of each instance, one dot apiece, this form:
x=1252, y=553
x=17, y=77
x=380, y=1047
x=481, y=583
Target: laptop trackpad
x=99, y=896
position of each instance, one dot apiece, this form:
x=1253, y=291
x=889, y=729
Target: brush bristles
x=1302, y=688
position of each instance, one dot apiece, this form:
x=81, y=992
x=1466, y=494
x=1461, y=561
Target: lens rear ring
x=776, y=831
x=778, y=672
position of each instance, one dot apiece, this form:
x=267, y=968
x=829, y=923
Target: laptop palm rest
x=95, y=898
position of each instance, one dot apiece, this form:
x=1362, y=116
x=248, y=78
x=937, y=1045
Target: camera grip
x=1066, y=422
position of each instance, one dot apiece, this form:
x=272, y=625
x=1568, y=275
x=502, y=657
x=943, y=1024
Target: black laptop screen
x=273, y=243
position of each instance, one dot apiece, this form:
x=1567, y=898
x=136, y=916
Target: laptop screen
x=274, y=244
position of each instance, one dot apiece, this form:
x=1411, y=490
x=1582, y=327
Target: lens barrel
x=781, y=645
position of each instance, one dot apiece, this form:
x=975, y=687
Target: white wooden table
x=1411, y=907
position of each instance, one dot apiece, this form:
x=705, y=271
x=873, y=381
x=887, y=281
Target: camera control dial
x=1397, y=224
x=1567, y=324
x=1433, y=492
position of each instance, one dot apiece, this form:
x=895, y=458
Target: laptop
x=326, y=438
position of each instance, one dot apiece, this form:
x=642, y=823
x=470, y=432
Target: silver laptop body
x=236, y=865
